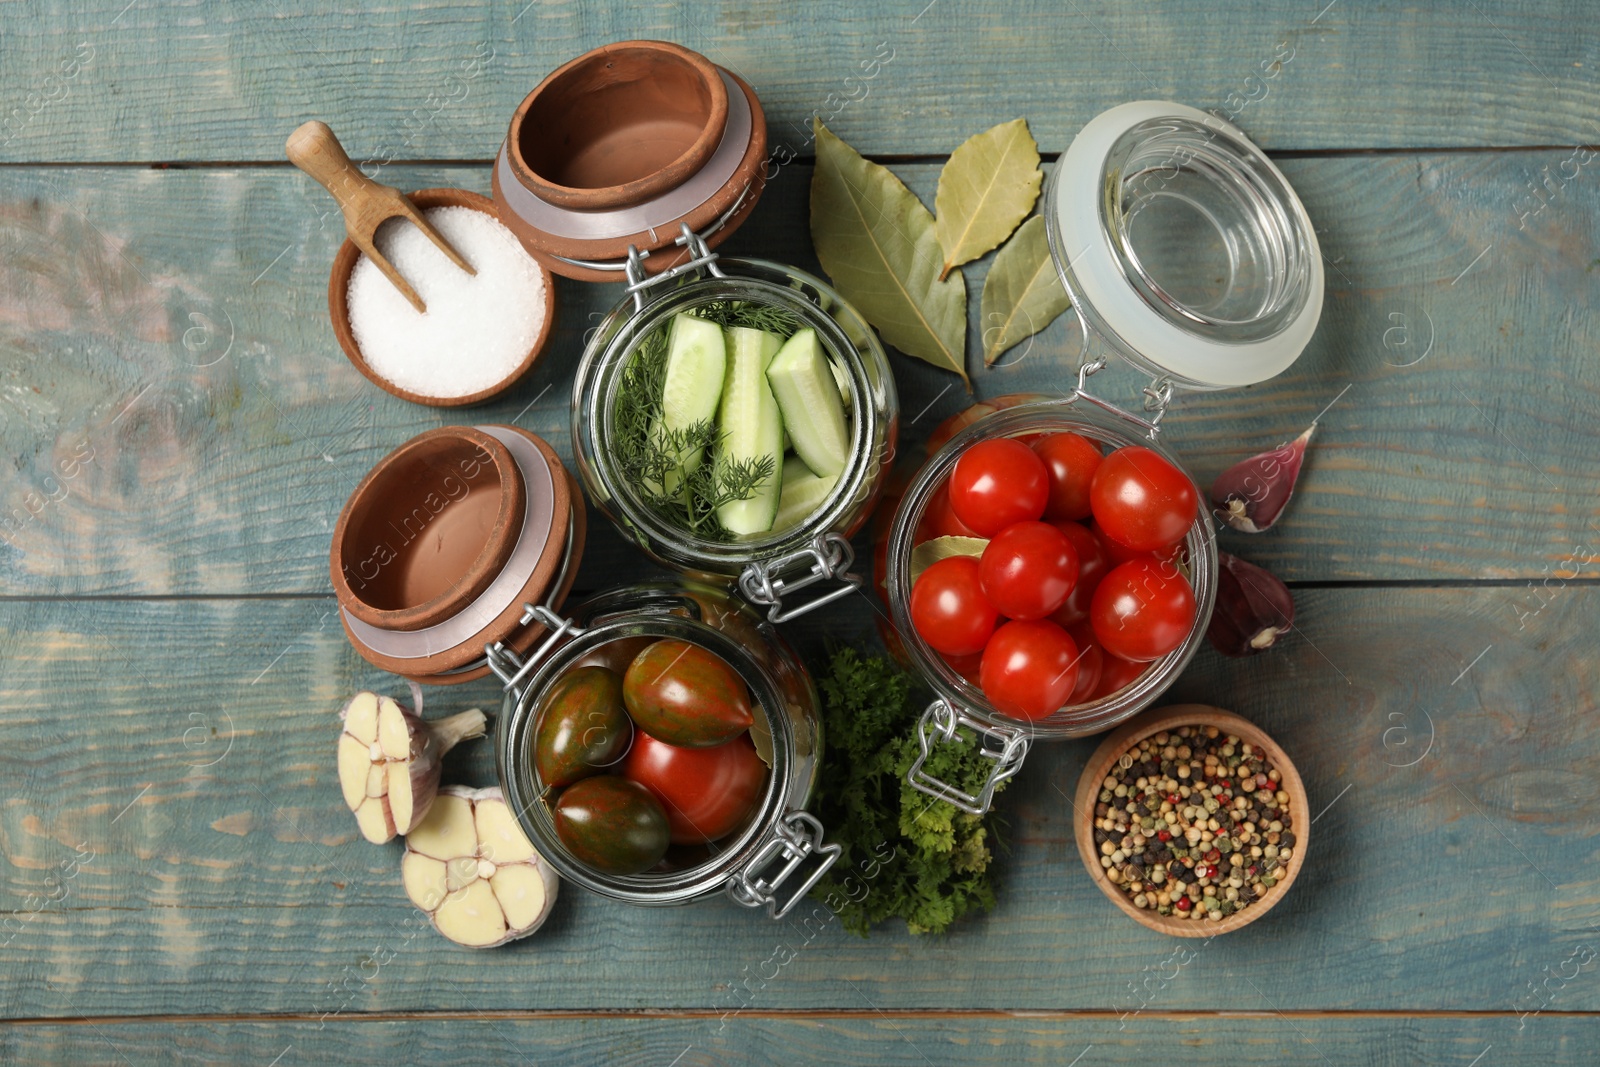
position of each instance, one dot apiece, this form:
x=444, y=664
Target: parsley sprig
x=941, y=864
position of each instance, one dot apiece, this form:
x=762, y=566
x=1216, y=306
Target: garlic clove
x=450, y=833
x=499, y=836
x=361, y=717
x=472, y=917
x=394, y=731
x=374, y=820
x=1253, y=608
x=393, y=756
x=460, y=872
x=520, y=889
x=1251, y=495
x=425, y=879
x=402, y=793
x=353, y=767
x=472, y=870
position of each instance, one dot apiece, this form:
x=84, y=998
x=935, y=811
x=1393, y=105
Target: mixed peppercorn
x=1194, y=823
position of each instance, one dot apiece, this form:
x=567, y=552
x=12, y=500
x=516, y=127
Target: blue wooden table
x=181, y=880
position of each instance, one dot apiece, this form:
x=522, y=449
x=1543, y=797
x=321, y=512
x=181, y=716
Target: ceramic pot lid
x=539, y=564
x=593, y=245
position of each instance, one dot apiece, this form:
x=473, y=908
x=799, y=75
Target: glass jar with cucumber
x=736, y=418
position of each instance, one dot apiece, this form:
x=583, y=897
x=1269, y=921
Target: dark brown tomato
x=583, y=727
x=680, y=693
x=612, y=824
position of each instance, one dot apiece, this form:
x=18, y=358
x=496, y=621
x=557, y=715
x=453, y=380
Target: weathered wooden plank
x=94, y=82
x=170, y=813
x=866, y=1038
x=172, y=326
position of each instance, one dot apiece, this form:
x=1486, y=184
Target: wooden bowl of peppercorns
x=1192, y=820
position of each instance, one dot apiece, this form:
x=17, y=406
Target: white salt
x=478, y=328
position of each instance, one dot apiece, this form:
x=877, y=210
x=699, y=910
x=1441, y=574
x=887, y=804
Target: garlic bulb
x=469, y=866
x=389, y=761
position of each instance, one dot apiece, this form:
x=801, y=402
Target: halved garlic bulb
x=471, y=869
x=389, y=761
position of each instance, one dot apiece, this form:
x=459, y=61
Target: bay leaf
x=988, y=186
x=932, y=551
x=875, y=240
x=1023, y=293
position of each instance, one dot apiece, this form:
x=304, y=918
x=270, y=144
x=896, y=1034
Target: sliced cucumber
x=751, y=427
x=692, y=385
x=802, y=493
x=808, y=396
x=843, y=379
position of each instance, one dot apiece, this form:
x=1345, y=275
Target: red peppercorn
x=1164, y=835
x=1214, y=855
x=1184, y=904
x=1173, y=798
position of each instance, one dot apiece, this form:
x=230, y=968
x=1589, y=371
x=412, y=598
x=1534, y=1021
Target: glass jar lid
x=1183, y=246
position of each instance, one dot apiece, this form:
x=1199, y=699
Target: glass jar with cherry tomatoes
x=1012, y=636
x=661, y=746
x=1186, y=254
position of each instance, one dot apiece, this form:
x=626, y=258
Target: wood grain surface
x=181, y=881
x=410, y=81
x=226, y=428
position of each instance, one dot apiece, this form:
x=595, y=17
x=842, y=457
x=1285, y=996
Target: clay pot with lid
x=619, y=148
x=440, y=547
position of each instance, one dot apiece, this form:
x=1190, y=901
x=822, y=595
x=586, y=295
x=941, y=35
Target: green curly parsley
x=938, y=857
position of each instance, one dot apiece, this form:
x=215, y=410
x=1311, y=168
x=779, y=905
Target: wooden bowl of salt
x=479, y=335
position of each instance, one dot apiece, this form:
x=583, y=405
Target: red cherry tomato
x=1091, y=661
x=1141, y=500
x=1116, y=674
x=939, y=521
x=1093, y=563
x=1029, y=668
x=1028, y=569
x=996, y=483
x=948, y=607
x=966, y=666
x=707, y=793
x=1071, y=460
x=1142, y=610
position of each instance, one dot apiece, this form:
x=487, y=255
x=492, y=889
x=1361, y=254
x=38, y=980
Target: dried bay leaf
x=875, y=239
x=933, y=551
x=988, y=186
x=1023, y=293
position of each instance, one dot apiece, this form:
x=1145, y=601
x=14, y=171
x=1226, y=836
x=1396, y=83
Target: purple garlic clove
x=1253, y=608
x=1250, y=495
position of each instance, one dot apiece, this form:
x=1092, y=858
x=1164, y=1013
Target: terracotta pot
x=591, y=243
x=339, y=310
x=1173, y=717
x=618, y=125
x=473, y=598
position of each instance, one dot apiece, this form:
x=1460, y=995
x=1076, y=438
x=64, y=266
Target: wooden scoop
x=365, y=203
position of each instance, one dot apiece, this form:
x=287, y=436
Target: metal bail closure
x=511, y=668
x=827, y=557
x=1006, y=745
x=795, y=840
x=700, y=257
x=1157, y=395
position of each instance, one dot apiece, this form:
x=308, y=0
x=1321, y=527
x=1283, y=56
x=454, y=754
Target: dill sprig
x=747, y=313
x=650, y=457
